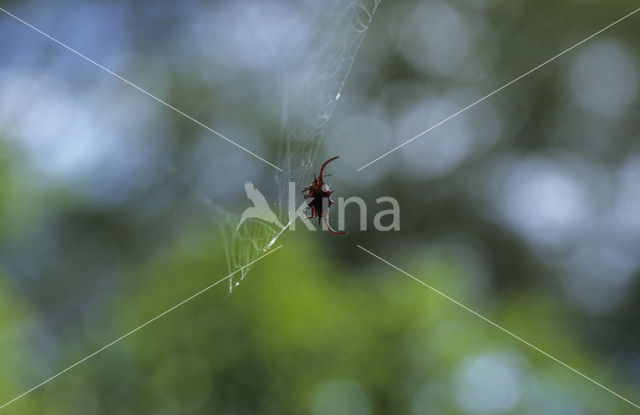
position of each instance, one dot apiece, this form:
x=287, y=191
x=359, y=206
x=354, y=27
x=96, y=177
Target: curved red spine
x=326, y=220
x=324, y=165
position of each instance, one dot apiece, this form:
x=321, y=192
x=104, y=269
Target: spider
x=320, y=196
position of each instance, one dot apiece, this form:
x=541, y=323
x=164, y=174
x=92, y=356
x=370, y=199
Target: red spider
x=318, y=192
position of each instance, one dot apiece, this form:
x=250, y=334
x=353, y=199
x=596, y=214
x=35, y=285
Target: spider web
x=311, y=85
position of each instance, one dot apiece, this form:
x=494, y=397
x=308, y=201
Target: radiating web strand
x=136, y=329
x=139, y=88
x=498, y=326
x=497, y=90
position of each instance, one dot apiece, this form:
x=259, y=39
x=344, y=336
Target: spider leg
x=314, y=213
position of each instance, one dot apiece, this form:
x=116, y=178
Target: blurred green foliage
x=318, y=327
x=300, y=336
